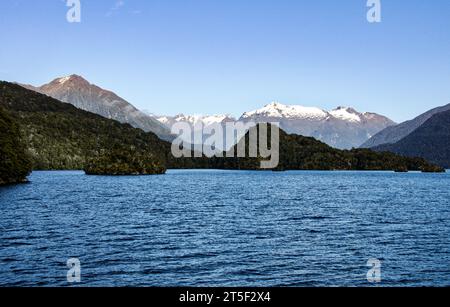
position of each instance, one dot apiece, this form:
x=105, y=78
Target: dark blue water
x=218, y=228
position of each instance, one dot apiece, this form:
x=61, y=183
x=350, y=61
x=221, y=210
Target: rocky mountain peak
x=76, y=90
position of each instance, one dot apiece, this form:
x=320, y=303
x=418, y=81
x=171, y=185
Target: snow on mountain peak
x=72, y=79
x=278, y=110
x=63, y=79
x=346, y=113
x=207, y=120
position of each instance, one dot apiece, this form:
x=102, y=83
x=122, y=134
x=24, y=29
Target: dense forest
x=306, y=153
x=118, y=160
x=15, y=164
x=59, y=136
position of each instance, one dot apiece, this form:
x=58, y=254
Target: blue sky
x=231, y=56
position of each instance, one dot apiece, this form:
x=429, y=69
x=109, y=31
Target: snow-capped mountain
x=278, y=110
x=281, y=111
x=343, y=127
x=195, y=120
x=79, y=92
x=198, y=123
x=347, y=114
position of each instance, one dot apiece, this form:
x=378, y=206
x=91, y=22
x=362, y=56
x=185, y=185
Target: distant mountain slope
x=394, y=134
x=342, y=128
x=89, y=97
x=430, y=141
x=60, y=136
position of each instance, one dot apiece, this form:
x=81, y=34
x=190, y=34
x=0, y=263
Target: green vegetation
x=301, y=153
x=306, y=153
x=124, y=161
x=60, y=136
x=430, y=141
x=15, y=164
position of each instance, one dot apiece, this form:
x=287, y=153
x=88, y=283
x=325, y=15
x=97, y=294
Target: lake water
x=227, y=228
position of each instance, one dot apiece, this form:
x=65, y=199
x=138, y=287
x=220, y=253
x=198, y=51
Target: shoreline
x=244, y=170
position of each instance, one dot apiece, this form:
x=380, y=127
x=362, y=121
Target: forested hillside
x=15, y=164
x=62, y=137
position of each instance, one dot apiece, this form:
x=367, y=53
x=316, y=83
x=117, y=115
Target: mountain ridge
x=342, y=127
x=430, y=141
x=76, y=90
x=60, y=136
x=393, y=134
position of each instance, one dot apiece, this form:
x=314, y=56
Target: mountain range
x=82, y=94
x=426, y=136
x=342, y=128
x=60, y=136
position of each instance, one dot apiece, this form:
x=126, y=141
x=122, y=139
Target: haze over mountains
x=342, y=127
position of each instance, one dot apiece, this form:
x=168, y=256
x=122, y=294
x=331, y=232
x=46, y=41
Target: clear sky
x=231, y=56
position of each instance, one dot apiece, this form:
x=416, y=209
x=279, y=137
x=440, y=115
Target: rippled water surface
x=227, y=228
